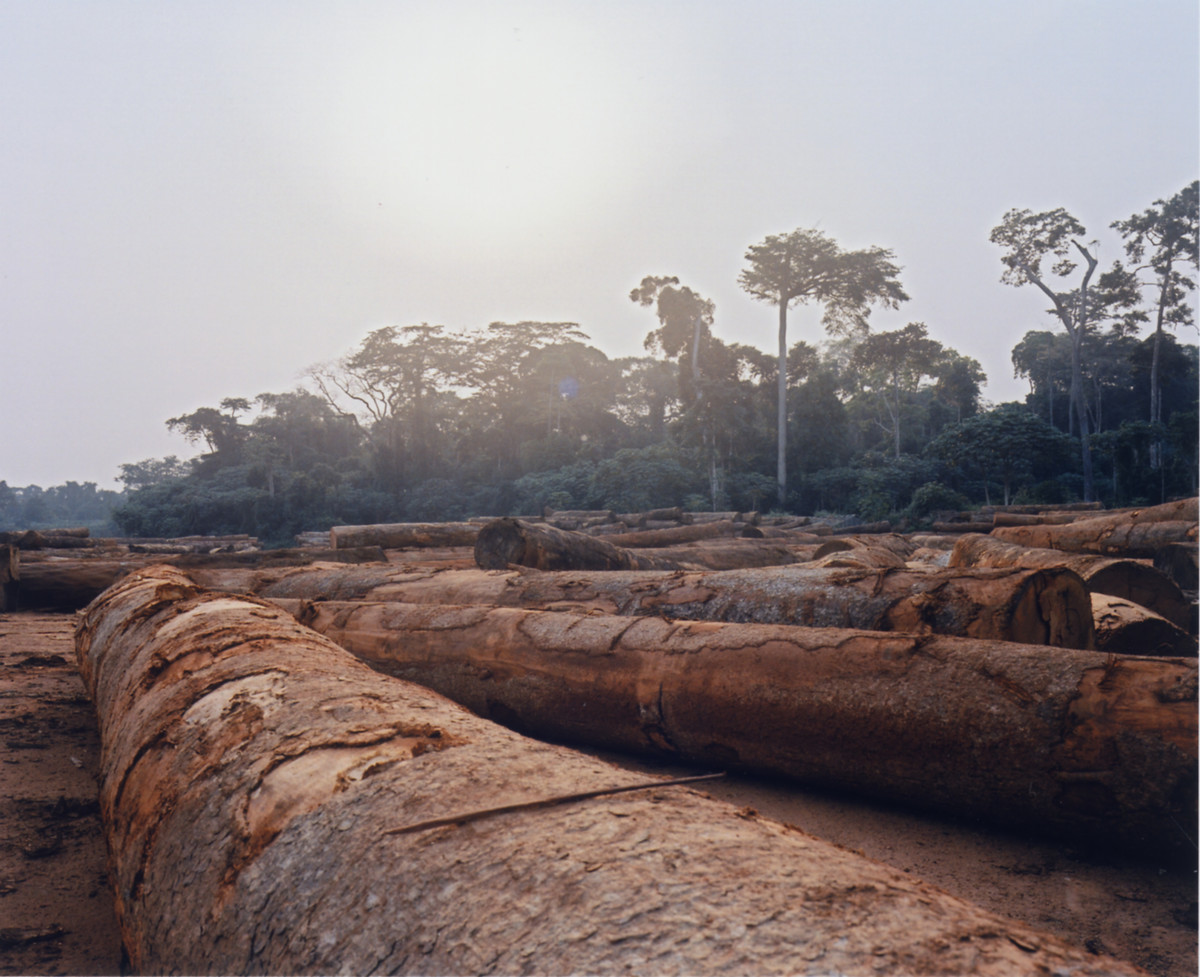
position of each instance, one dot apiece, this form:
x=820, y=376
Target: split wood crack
x=545, y=802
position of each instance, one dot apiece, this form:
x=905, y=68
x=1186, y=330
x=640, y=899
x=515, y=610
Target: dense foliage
x=418, y=423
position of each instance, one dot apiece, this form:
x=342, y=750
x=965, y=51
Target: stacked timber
x=403, y=536
x=509, y=542
x=1048, y=607
x=1130, y=533
x=326, y=820
x=1130, y=580
x=67, y=584
x=1125, y=628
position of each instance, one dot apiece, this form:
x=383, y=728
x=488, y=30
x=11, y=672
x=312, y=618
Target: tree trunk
x=273, y=806
x=1118, y=535
x=1126, y=628
x=677, y=534
x=512, y=542
x=781, y=410
x=1179, y=562
x=404, y=535
x=65, y=584
x=1072, y=742
x=1128, y=579
x=1034, y=606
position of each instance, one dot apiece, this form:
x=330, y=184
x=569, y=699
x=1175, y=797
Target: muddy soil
x=56, y=914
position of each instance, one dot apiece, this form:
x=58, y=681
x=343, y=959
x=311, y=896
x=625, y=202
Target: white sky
x=199, y=200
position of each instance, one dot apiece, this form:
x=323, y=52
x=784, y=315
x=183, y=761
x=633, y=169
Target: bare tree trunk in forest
x=273, y=806
x=1069, y=742
x=781, y=408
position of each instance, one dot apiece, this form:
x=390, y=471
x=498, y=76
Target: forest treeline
x=419, y=423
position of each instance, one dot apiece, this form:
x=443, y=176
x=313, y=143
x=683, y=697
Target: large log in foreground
x=1074, y=743
x=1045, y=607
x=1127, y=579
x=273, y=806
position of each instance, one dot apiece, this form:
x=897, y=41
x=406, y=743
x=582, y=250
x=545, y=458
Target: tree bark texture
x=273, y=806
x=513, y=542
x=65, y=584
x=1179, y=562
x=1130, y=533
x=1050, y=607
x=677, y=534
x=404, y=535
x=1125, y=628
x=1127, y=579
x=1070, y=742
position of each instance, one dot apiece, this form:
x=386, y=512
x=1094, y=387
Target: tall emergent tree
x=809, y=266
x=1027, y=239
x=1162, y=241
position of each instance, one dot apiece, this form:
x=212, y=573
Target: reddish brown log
x=1048, y=607
x=1128, y=579
x=66, y=584
x=1129, y=533
x=1126, y=628
x=1179, y=562
x=272, y=806
x=513, y=542
x=674, y=535
x=1074, y=742
x=404, y=535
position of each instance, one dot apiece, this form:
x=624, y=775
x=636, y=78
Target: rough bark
x=1130, y=533
x=1128, y=579
x=513, y=542
x=66, y=584
x=676, y=534
x=1040, y=518
x=1072, y=742
x=273, y=806
x=404, y=535
x=1179, y=562
x=1125, y=628
x=1049, y=607
x=10, y=575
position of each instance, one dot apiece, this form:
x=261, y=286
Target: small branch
x=545, y=802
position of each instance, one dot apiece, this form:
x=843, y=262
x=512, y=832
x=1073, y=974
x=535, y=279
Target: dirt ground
x=56, y=914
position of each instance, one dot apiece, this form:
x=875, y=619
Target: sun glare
x=476, y=124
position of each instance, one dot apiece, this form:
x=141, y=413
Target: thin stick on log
x=251, y=770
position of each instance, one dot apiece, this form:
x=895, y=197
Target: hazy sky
x=199, y=200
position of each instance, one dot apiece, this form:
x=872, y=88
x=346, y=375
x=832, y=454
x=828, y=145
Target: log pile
x=272, y=806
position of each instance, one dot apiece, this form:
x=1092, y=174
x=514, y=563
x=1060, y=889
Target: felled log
x=513, y=542
x=750, y=518
x=978, y=526
x=10, y=575
x=1085, y=745
x=1044, y=607
x=1131, y=533
x=65, y=584
x=1125, y=628
x=273, y=806
x=676, y=534
x=1040, y=518
x=858, y=529
x=1092, y=507
x=639, y=519
x=44, y=539
x=404, y=535
x=1128, y=579
x=1179, y=562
